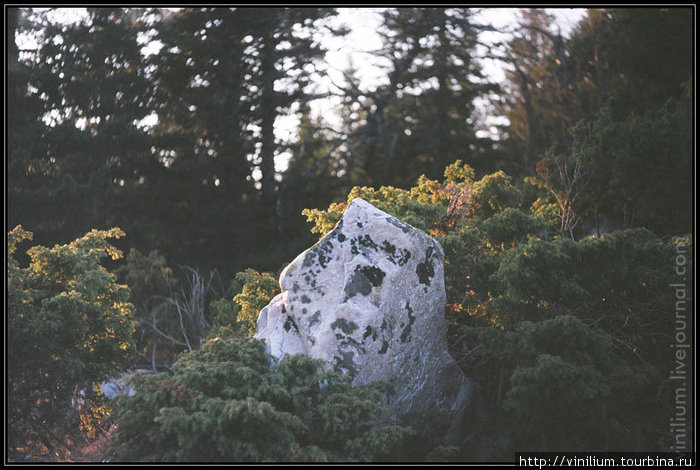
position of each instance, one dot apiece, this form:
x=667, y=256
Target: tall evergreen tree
x=540, y=101
x=424, y=118
x=203, y=137
x=73, y=147
x=631, y=102
x=222, y=78
x=642, y=56
x=286, y=55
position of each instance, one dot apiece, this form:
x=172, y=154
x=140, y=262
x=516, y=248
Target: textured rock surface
x=369, y=299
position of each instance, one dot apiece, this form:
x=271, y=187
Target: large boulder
x=369, y=299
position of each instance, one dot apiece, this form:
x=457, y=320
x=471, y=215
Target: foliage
x=258, y=290
x=634, y=172
x=641, y=175
x=423, y=116
x=566, y=341
x=430, y=205
x=80, y=149
x=227, y=402
x=611, y=295
x=225, y=311
x=151, y=281
x=70, y=326
x=176, y=127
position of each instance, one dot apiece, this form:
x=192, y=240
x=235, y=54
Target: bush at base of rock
x=227, y=402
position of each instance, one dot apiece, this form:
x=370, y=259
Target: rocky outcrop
x=369, y=299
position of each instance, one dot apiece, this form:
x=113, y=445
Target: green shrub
x=70, y=326
x=567, y=342
x=257, y=291
x=227, y=402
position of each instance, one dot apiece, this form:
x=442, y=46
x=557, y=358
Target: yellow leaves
x=17, y=235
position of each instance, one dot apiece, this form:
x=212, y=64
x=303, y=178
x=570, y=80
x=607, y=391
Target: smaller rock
x=119, y=386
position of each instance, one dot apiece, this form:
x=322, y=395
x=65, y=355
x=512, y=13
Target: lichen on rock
x=376, y=289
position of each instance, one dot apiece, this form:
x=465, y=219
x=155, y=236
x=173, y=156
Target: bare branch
x=161, y=333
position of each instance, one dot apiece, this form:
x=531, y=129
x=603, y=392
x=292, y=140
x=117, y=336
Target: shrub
x=70, y=326
x=227, y=402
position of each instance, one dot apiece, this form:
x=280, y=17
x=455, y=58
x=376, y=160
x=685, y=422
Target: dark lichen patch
x=305, y=299
x=373, y=274
x=315, y=318
x=359, y=224
x=385, y=347
x=350, y=341
x=284, y=310
x=363, y=279
x=388, y=248
x=339, y=336
x=406, y=333
x=367, y=242
x=405, y=228
x=425, y=272
x=303, y=311
x=367, y=333
x=397, y=256
x=295, y=288
x=346, y=326
x=341, y=237
x=405, y=256
x=289, y=323
x=345, y=362
x=363, y=244
x=310, y=258
x=321, y=253
x=358, y=284
x=324, y=255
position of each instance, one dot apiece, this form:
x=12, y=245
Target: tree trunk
x=268, y=113
x=533, y=135
x=442, y=106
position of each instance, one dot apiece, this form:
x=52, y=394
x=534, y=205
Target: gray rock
x=120, y=385
x=369, y=299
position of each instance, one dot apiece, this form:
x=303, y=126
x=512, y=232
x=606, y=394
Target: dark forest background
x=78, y=158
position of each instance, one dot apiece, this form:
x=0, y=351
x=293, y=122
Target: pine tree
x=82, y=93
x=423, y=119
